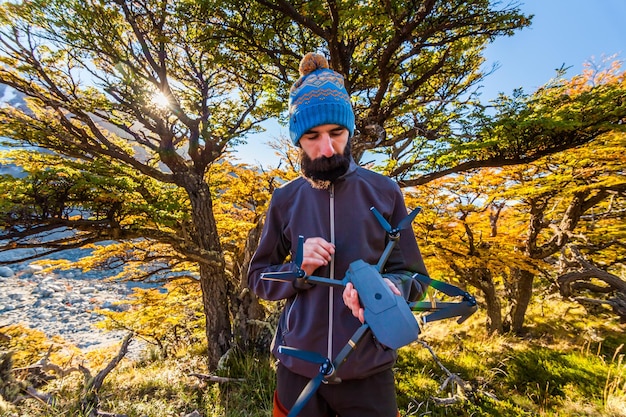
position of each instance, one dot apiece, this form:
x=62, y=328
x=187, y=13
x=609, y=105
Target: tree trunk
x=482, y=279
x=215, y=302
x=493, y=306
x=521, y=294
x=213, y=278
x=250, y=333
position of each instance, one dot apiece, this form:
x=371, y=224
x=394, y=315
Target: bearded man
x=330, y=206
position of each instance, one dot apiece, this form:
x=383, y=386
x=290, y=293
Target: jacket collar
x=353, y=166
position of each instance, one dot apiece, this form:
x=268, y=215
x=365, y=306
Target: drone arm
x=302, y=284
x=441, y=311
x=385, y=256
x=343, y=355
x=325, y=281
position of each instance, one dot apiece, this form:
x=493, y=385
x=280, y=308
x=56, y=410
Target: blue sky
x=569, y=32
x=563, y=32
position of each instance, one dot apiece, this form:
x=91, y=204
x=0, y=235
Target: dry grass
x=568, y=363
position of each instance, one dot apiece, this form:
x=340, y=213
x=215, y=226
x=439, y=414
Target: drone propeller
x=448, y=289
x=288, y=276
x=304, y=355
x=462, y=309
x=404, y=223
x=326, y=368
x=306, y=395
x=393, y=232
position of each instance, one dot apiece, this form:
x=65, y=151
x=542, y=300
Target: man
x=330, y=206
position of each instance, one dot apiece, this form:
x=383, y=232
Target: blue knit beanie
x=318, y=97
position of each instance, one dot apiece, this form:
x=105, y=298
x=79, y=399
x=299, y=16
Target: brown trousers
x=374, y=396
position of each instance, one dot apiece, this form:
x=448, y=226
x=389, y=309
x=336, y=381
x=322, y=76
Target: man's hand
x=351, y=299
x=317, y=252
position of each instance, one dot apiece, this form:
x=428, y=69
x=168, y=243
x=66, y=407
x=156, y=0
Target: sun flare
x=160, y=99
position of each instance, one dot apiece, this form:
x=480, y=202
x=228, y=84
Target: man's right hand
x=317, y=252
x=351, y=300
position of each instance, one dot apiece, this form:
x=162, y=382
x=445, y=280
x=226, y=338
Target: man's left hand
x=351, y=299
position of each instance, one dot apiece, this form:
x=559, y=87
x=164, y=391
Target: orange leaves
x=608, y=72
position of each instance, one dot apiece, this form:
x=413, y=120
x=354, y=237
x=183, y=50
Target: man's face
x=324, y=141
x=325, y=152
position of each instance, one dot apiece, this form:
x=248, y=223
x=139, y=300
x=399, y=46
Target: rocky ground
x=60, y=303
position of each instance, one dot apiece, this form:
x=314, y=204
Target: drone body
x=388, y=315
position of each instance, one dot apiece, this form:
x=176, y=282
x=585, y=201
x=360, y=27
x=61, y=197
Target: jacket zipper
x=288, y=316
x=331, y=292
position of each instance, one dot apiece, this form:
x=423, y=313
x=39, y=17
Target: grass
x=568, y=364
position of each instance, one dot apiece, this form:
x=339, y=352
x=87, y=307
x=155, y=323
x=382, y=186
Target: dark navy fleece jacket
x=316, y=319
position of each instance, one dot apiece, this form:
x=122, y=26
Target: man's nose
x=327, y=150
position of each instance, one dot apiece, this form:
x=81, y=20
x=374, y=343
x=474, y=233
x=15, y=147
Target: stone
x=33, y=269
x=6, y=272
x=88, y=290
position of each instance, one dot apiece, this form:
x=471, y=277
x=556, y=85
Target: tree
x=582, y=277
x=573, y=204
x=90, y=72
x=471, y=236
x=561, y=189
x=413, y=69
x=410, y=66
x=498, y=230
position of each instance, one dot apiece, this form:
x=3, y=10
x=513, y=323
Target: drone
x=388, y=316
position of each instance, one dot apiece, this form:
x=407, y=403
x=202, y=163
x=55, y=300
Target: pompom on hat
x=318, y=97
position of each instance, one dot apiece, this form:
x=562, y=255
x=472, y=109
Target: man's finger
x=392, y=286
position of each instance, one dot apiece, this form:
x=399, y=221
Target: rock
x=56, y=287
x=17, y=296
x=87, y=290
x=45, y=316
x=33, y=269
x=45, y=292
x=6, y=272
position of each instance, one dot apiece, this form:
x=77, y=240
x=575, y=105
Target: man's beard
x=322, y=171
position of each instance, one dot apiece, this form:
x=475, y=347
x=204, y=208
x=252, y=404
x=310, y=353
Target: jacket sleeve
x=270, y=255
x=410, y=288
